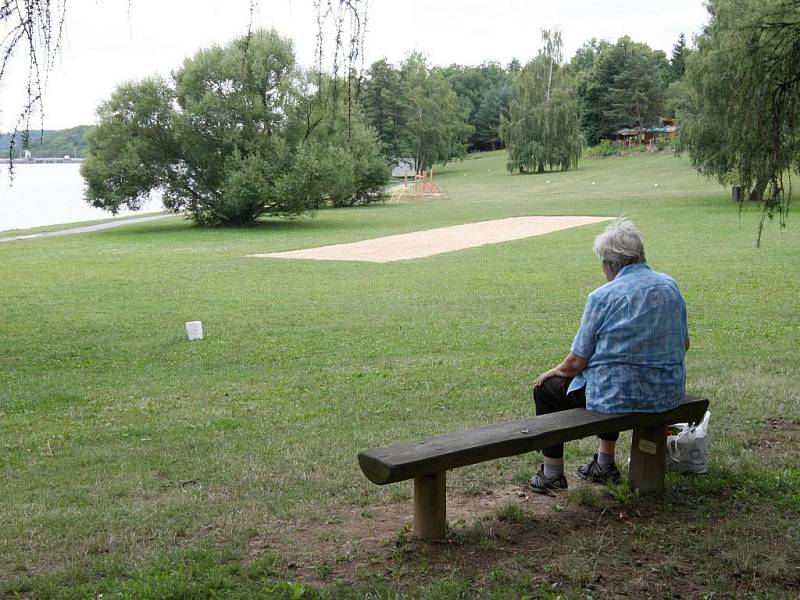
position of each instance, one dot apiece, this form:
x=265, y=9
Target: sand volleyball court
x=429, y=242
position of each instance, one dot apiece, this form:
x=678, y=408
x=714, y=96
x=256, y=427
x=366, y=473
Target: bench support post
x=430, y=506
x=648, y=459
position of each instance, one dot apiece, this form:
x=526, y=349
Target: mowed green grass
x=122, y=443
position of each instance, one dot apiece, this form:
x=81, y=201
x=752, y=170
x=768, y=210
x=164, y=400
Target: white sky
x=111, y=41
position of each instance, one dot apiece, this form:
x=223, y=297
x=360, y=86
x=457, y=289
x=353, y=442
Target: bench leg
x=430, y=506
x=648, y=459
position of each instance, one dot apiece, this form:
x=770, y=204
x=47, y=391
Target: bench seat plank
x=398, y=462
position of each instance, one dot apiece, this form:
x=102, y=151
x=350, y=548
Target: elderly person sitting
x=626, y=357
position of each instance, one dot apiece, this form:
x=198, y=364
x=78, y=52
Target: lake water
x=49, y=194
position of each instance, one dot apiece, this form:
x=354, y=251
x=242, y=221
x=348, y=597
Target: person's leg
x=605, y=451
x=552, y=397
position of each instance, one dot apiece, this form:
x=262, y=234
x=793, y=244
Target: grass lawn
x=136, y=464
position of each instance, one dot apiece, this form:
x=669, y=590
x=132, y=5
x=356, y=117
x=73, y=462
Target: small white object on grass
x=194, y=330
x=593, y=183
x=548, y=181
x=655, y=185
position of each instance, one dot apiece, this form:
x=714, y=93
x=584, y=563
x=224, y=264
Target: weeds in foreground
x=623, y=494
x=515, y=514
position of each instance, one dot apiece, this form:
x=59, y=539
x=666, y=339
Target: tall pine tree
x=678, y=60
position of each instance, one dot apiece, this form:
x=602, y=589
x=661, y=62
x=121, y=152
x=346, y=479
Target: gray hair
x=620, y=245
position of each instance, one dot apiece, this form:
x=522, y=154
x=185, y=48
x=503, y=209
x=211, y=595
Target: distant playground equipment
x=422, y=188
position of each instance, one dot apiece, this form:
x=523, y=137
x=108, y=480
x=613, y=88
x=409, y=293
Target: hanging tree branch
x=777, y=39
x=35, y=27
x=345, y=22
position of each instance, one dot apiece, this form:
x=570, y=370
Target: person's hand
x=544, y=377
x=569, y=367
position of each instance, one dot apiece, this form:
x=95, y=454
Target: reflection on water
x=48, y=194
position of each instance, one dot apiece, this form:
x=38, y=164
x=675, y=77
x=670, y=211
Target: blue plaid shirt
x=633, y=333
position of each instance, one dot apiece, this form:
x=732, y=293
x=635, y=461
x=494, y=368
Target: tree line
x=610, y=85
x=437, y=114
x=241, y=131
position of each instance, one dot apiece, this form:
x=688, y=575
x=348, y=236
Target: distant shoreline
x=40, y=161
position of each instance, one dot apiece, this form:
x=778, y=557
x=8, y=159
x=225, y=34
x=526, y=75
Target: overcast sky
x=107, y=42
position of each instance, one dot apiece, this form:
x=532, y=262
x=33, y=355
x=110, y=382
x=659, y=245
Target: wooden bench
x=427, y=460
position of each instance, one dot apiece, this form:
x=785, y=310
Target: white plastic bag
x=687, y=450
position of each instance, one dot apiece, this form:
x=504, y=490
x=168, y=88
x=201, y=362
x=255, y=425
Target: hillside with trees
x=50, y=143
x=604, y=87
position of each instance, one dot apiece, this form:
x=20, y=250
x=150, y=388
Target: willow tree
x=740, y=117
x=543, y=125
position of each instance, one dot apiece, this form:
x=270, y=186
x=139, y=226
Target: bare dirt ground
x=363, y=539
x=491, y=529
x=419, y=244
x=604, y=546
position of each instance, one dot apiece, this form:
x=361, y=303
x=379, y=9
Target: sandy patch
x=419, y=244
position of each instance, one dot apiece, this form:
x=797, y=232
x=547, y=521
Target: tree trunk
x=757, y=193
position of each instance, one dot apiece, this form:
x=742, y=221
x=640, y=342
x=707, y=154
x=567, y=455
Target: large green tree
x=740, y=118
x=542, y=128
x=383, y=103
x=436, y=123
x=415, y=112
x=338, y=160
x=483, y=93
x=235, y=135
x=624, y=88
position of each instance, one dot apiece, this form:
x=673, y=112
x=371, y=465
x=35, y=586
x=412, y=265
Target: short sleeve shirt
x=632, y=334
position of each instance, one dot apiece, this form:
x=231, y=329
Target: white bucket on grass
x=194, y=330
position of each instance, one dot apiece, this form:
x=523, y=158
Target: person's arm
x=569, y=367
x=582, y=345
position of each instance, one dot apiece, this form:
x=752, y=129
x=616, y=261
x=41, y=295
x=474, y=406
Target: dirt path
x=84, y=228
x=429, y=242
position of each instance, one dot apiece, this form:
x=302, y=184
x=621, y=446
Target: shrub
x=603, y=149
